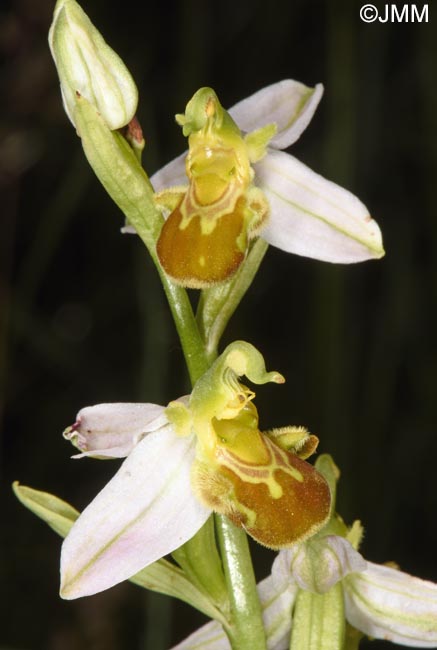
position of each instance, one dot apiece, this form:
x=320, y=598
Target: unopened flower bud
x=321, y=562
x=88, y=66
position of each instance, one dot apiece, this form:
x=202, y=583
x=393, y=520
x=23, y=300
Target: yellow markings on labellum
x=206, y=235
x=259, y=480
x=277, y=497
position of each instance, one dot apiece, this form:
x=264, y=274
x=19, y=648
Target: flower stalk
x=117, y=167
x=245, y=628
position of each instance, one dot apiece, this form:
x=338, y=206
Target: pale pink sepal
x=289, y=104
x=388, y=604
x=113, y=430
x=276, y=604
x=146, y=511
x=312, y=216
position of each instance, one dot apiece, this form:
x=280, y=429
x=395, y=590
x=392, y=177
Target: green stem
x=246, y=629
x=183, y=316
x=119, y=171
x=245, y=607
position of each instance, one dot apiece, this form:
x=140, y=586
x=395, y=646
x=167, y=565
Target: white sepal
x=146, y=511
x=288, y=104
x=312, y=216
x=388, y=604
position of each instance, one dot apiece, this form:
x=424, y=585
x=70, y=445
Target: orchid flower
x=379, y=601
x=241, y=186
x=202, y=453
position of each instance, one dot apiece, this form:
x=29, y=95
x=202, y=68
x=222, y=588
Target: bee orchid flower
x=241, y=185
x=202, y=453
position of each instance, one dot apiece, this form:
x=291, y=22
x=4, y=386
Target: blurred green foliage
x=83, y=319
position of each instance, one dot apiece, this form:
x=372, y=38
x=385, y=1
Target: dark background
x=83, y=319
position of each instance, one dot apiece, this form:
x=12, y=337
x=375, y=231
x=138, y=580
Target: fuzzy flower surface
x=380, y=601
x=241, y=185
x=201, y=454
